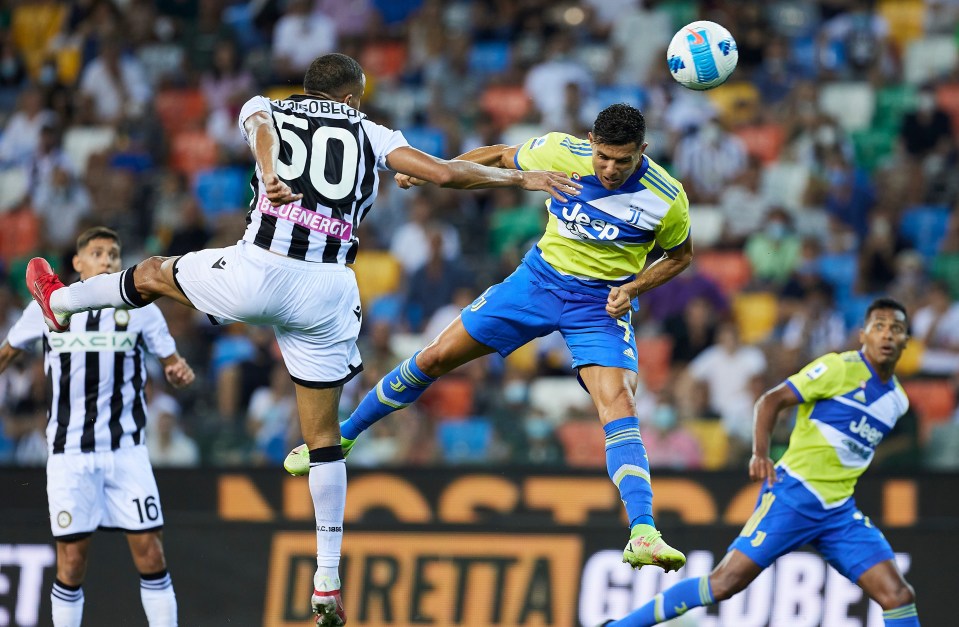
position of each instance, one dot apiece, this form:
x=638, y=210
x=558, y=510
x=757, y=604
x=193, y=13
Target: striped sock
x=628, y=467
x=399, y=389
x=158, y=598
x=904, y=616
x=677, y=600
x=67, y=604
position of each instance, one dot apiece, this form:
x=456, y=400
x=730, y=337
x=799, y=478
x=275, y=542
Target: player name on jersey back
x=326, y=108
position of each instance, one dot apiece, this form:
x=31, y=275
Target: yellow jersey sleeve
x=674, y=228
x=557, y=152
x=823, y=378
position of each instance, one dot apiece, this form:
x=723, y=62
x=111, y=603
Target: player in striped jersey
x=848, y=403
x=98, y=471
x=317, y=164
x=582, y=279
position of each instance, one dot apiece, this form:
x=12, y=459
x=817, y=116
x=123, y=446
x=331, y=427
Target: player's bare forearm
x=663, y=269
x=263, y=141
x=765, y=413
x=498, y=156
x=7, y=355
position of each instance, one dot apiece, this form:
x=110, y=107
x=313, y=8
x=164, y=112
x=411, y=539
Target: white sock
x=103, y=290
x=159, y=601
x=328, y=489
x=67, y=606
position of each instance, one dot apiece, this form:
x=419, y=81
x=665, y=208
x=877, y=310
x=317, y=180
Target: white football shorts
x=105, y=490
x=314, y=308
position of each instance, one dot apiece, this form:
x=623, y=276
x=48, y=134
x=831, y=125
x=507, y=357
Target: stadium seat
x=873, y=145
x=924, y=227
x=384, y=59
x=708, y=221
x=377, y=273
x=942, y=450
x=192, y=152
x=222, y=190
x=839, y=270
x=934, y=401
x=180, y=109
x=14, y=184
x=19, y=234
x=489, y=57
x=911, y=360
x=892, y=103
x=505, y=104
x=32, y=26
x=851, y=103
x=907, y=16
x=712, y=440
x=655, y=356
x=450, y=398
x=611, y=94
x=554, y=396
x=583, y=443
x=764, y=141
x=426, y=138
x=80, y=142
x=282, y=92
x=756, y=314
x=929, y=58
x=737, y=102
x=729, y=268
x=784, y=184
x=853, y=308
x=465, y=441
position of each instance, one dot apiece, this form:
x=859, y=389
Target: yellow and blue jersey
x=604, y=235
x=845, y=412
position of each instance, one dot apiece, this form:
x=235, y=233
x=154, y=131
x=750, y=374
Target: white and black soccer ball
x=702, y=55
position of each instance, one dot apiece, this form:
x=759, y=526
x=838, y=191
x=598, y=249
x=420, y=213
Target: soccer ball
x=702, y=55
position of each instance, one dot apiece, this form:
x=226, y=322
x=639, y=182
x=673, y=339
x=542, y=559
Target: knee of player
x=896, y=595
x=435, y=360
x=71, y=568
x=151, y=558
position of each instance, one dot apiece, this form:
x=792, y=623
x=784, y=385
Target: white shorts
x=105, y=490
x=314, y=308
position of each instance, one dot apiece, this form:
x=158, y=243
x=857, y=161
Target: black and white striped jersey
x=97, y=373
x=330, y=153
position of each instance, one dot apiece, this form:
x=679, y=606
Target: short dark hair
x=332, y=73
x=620, y=124
x=97, y=232
x=887, y=303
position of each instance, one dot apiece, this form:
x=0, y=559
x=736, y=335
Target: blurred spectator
x=546, y=82
x=411, y=241
x=816, y=328
x=434, y=285
x=659, y=304
x=226, y=86
x=774, y=252
x=272, y=420
x=21, y=135
x=299, y=36
x=945, y=265
x=910, y=283
x=926, y=127
x=644, y=21
x=877, y=254
x=743, y=205
x=167, y=444
x=668, y=442
x=936, y=325
x=692, y=331
x=708, y=160
x=115, y=83
x=856, y=42
x=731, y=373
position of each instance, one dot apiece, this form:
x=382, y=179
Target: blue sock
x=679, y=599
x=628, y=467
x=905, y=616
x=399, y=389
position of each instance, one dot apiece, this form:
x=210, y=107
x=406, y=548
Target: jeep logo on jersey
x=867, y=433
x=579, y=223
x=92, y=341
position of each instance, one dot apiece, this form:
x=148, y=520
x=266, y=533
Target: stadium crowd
x=820, y=176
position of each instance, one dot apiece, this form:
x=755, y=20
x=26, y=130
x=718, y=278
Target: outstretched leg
x=730, y=576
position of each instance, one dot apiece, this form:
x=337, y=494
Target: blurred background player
x=848, y=403
x=581, y=279
x=98, y=471
x=289, y=270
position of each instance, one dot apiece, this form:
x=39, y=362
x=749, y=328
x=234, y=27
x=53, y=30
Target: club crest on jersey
x=121, y=317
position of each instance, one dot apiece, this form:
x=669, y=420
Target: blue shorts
x=845, y=537
x=535, y=301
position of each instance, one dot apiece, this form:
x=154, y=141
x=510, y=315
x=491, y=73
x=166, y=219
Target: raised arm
x=472, y=174
x=265, y=145
x=177, y=371
x=765, y=413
